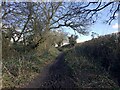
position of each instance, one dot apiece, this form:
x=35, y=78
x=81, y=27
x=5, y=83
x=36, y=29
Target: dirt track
x=55, y=75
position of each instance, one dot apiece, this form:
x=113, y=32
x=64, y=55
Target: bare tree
x=28, y=24
x=38, y=18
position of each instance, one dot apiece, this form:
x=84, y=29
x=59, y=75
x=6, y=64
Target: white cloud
x=115, y=26
x=115, y=31
x=78, y=40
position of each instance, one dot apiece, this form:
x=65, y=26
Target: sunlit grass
x=17, y=73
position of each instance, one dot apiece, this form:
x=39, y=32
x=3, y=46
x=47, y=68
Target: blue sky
x=99, y=27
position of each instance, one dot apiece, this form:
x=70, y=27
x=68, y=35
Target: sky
x=99, y=27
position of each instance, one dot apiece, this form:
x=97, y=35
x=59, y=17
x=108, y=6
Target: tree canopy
x=22, y=20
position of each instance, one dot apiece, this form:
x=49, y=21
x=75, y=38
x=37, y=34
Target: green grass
x=87, y=73
x=19, y=72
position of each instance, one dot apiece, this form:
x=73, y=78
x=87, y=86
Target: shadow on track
x=56, y=75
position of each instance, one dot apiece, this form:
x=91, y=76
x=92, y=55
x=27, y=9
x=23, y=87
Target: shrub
x=104, y=50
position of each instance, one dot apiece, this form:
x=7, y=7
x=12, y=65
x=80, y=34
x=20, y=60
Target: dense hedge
x=105, y=51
